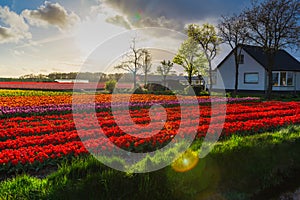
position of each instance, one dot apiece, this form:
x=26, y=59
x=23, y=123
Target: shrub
x=110, y=85
x=154, y=87
x=140, y=90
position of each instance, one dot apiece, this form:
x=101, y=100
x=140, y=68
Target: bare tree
x=190, y=58
x=133, y=61
x=273, y=25
x=164, y=69
x=208, y=39
x=146, y=67
x=233, y=31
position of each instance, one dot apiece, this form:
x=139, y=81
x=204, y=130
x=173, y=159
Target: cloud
x=136, y=21
x=119, y=20
x=177, y=9
x=51, y=14
x=124, y=15
x=173, y=14
x=158, y=22
x=14, y=29
x=5, y=33
x=44, y=70
x=18, y=53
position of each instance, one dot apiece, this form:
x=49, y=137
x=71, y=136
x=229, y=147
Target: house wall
x=288, y=88
x=227, y=74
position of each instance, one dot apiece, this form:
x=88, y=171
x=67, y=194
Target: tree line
x=91, y=77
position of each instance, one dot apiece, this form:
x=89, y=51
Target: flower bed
x=42, y=132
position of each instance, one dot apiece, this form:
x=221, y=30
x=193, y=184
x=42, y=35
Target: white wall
x=227, y=73
x=285, y=88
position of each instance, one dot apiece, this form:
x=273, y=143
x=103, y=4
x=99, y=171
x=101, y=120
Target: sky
x=41, y=37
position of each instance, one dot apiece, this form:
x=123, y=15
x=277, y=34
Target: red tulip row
x=39, y=150
x=26, y=140
x=17, y=129
x=57, y=124
x=32, y=154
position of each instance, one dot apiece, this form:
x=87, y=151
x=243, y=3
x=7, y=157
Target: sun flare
x=187, y=161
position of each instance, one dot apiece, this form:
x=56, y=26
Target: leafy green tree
x=110, y=85
x=191, y=59
x=207, y=38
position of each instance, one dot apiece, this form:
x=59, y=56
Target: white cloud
x=18, y=53
x=51, y=14
x=5, y=33
x=121, y=14
x=15, y=28
x=162, y=22
x=119, y=21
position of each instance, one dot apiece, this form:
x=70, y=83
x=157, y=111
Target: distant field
x=47, y=85
x=55, y=85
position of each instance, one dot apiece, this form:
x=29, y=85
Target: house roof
x=283, y=60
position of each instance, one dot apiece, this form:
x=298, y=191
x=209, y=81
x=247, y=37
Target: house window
x=275, y=77
x=241, y=59
x=251, y=78
x=283, y=78
x=290, y=78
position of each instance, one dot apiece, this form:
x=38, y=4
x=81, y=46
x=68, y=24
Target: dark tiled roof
x=283, y=60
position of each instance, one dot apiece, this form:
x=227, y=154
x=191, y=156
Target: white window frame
x=286, y=77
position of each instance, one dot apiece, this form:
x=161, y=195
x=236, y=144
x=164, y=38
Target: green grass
x=237, y=168
x=23, y=187
x=16, y=93
x=287, y=97
x=255, y=163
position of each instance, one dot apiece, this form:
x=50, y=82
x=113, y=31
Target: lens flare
x=137, y=16
x=187, y=161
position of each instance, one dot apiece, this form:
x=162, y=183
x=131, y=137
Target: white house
x=252, y=71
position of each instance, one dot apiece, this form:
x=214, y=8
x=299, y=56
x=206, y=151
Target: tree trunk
x=145, y=80
x=190, y=77
x=270, y=78
x=210, y=77
x=270, y=86
x=134, y=80
x=236, y=56
x=200, y=81
x=165, y=82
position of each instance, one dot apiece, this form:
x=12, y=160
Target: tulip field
x=47, y=85
x=37, y=129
